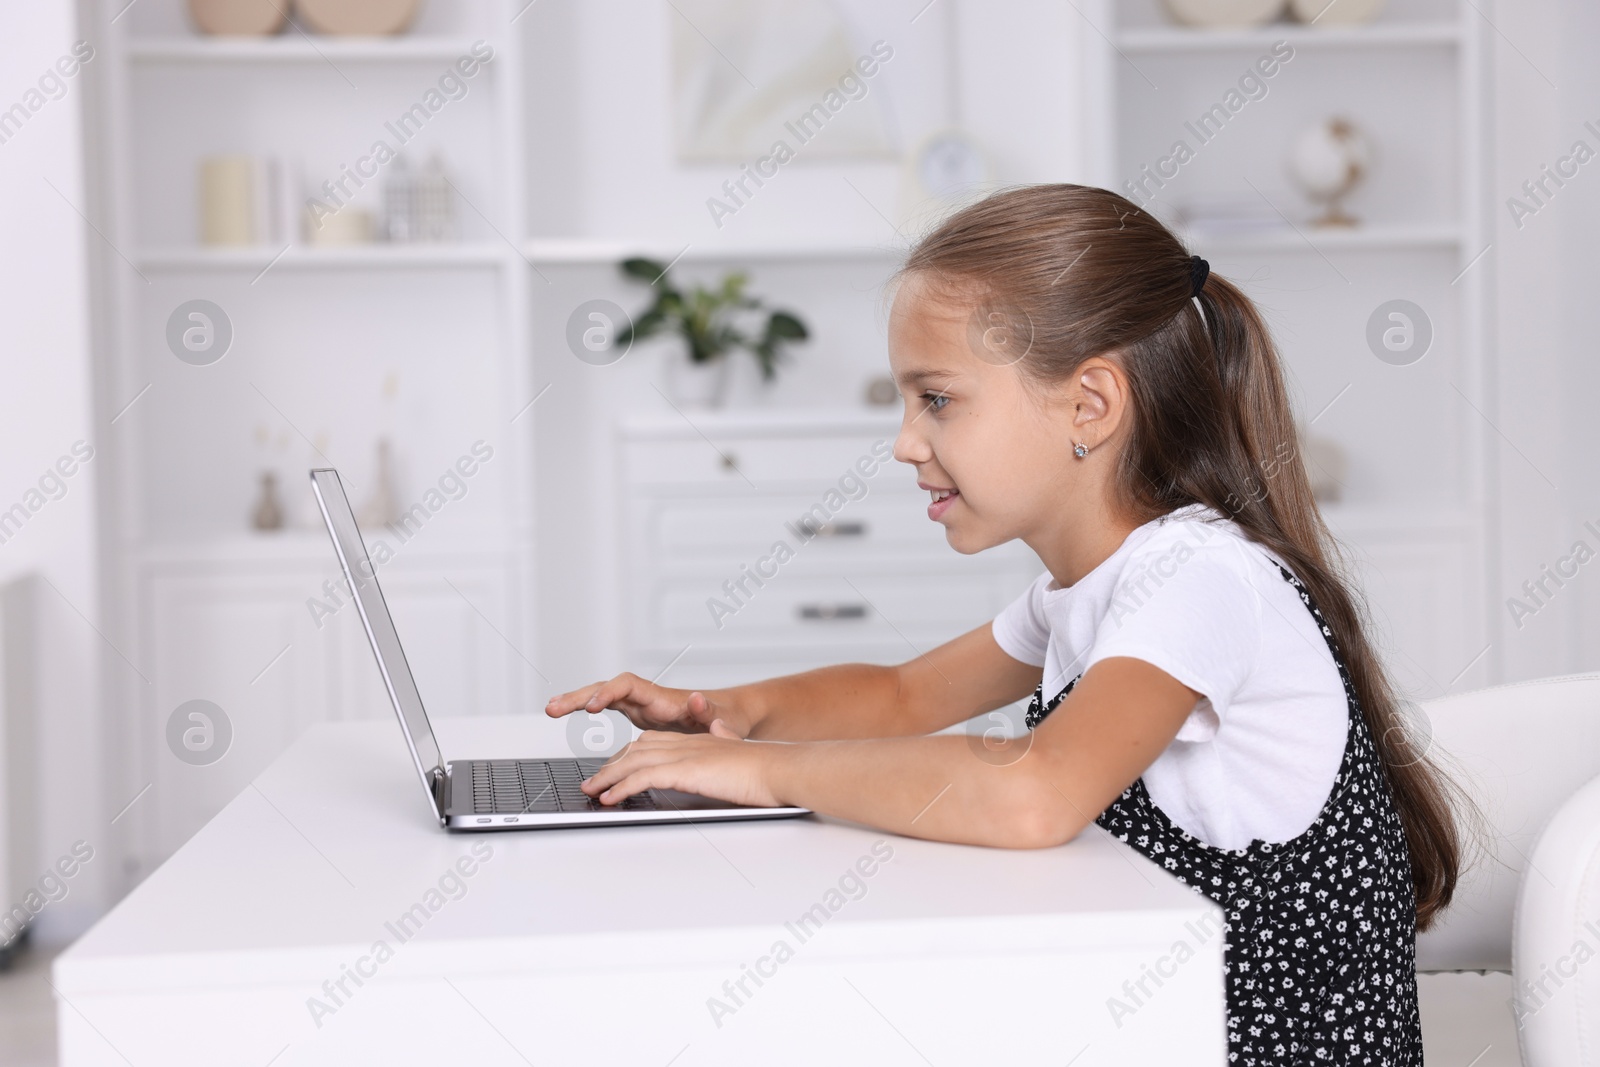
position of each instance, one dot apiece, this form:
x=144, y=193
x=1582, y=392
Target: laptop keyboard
x=516, y=787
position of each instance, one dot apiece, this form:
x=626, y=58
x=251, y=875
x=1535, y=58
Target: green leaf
x=784, y=325
x=708, y=318
x=702, y=349
x=646, y=325
x=767, y=356
x=646, y=270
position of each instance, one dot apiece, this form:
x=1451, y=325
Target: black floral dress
x=1321, y=929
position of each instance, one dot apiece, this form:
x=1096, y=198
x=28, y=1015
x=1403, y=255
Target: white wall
x=602, y=161
x=1580, y=272
x=44, y=409
x=1547, y=87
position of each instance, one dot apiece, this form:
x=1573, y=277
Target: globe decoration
x=1328, y=160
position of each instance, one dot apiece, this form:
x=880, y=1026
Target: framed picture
x=751, y=75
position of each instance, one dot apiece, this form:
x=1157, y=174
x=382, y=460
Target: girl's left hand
x=720, y=764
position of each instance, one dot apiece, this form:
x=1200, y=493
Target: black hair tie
x=1199, y=271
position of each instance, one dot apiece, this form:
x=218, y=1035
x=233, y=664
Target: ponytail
x=1084, y=272
x=1276, y=508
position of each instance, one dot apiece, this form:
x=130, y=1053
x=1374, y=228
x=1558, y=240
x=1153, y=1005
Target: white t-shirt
x=1256, y=758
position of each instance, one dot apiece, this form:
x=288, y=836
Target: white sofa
x=1516, y=945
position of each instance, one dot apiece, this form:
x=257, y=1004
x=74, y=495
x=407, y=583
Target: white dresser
x=766, y=542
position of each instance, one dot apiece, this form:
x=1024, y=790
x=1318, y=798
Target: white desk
x=613, y=941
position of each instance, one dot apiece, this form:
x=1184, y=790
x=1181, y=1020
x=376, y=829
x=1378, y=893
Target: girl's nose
x=910, y=446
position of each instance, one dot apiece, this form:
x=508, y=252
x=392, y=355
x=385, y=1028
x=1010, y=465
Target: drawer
x=738, y=531
x=793, y=610
x=741, y=461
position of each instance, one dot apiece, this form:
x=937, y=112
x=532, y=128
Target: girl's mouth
x=943, y=501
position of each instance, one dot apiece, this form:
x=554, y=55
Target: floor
x=27, y=1010
x=1467, y=1020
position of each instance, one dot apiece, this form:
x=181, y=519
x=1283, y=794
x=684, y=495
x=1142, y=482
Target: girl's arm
x=951, y=683
x=1039, y=790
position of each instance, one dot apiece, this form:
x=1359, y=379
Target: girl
x=1202, y=687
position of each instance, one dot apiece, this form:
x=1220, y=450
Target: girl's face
x=994, y=452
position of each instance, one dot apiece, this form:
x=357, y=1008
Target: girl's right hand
x=648, y=706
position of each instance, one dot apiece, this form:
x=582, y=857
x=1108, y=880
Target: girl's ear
x=1099, y=397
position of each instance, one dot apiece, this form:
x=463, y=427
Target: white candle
x=228, y=200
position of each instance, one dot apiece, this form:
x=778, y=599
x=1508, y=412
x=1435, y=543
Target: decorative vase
x=382, y=507
x=698, y=385
x=1225, y=14
x=246, y=18
x=435, y=202
x=362, y=18
x=1326, y=464
x=1325, y=13
x=268, y=513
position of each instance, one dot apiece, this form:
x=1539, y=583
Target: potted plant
x=712, y=324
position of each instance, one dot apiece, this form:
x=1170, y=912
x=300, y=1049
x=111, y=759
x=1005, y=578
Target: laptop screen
x=363, y=581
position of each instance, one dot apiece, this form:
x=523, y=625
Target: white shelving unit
x=1376, y=35
x=198, y=604
x=290, y=48
x=1443, y=237
x=377, y=255
x=206, y=608
x=1422, y=493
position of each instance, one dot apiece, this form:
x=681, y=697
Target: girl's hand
x=723, y=765
x=648, y=706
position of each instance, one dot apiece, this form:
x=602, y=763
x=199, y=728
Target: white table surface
x=615, y=940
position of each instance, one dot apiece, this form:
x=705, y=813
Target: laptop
x=495, y=793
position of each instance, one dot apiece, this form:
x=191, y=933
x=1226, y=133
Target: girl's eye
x=936, y=401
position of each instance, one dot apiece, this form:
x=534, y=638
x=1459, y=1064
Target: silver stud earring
x=1080, y=449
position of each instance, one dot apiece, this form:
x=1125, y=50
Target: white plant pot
x=697, y=385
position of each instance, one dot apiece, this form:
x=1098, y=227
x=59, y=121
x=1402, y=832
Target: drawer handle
x=827, y=612
x=811, y=528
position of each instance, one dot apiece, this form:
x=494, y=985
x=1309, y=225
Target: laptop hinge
x=440, y=788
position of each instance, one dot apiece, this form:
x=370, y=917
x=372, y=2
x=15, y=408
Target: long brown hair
x=1074, y=272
